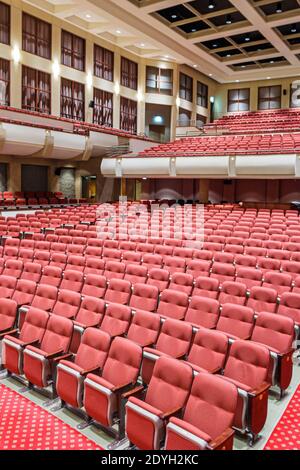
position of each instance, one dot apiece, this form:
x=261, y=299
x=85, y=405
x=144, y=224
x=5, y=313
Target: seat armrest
x=171, y=413
x=9, y=332
x=68, y=357
x=31, y=343
x=220, y=440
x=263, y=388
x=54, y=354
x=96, y=370
x=122, y=388
x=137, y=391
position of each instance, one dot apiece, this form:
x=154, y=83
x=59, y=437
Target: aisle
x=26, y=426
x=286, y=434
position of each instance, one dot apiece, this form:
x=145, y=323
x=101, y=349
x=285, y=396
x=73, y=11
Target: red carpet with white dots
x=26, y=426
x=286, y=435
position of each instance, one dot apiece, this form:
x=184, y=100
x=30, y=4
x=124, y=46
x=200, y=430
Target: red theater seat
x=211, y=396
x=208, y=351
x=166, y=395
x=173, y=304
x=203, y=312
x=144, y=329
x=116, y=320
x=236, y=321
x=118, y=291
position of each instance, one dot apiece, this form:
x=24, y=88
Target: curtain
x=4, y=23
x=4, y=82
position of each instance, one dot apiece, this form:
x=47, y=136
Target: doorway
x=89, y=187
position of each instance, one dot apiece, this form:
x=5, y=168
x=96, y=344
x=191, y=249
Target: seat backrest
x=67, y=304
x=144, y=297
x=182, y=282
x=116, y=319
x=58, y=334
x=45, y=297
x=118, y=291
x=144, y=328
x=290, y=306
x=93, y=349
x=206, y=286
x=248, y=363
x=91, y=311
x=175, y=338
x=123, y=362
x=236, y=320
x=8, y=312
x=173, y=304
x=34, y=325
x=209, y=350
x=135, y=274
x=170, y=384
x=275, y=331
x=203, y=311
x=211, y=396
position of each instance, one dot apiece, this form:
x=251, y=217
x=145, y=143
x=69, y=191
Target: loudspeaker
x=92, y=104
x=58, y=171
x=284, y=92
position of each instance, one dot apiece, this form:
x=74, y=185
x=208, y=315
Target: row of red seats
x=115, y=284
x=216, y=145
x=208, y=351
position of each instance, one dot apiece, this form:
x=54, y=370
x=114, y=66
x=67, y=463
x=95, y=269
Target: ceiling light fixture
x=279, y=7
x=228, y=19
x=118, y=31
x=211, y=5
x=173, y=17
x=294, y=29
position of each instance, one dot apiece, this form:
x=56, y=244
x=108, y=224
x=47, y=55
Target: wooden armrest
x=228, y=434
x=68, y=357
x=54, y=354
x=9, y=332
x=134, y=391
x=121, y=388
x=94, y=370
x=168, y=414
x=32, y=343
x=263, y=388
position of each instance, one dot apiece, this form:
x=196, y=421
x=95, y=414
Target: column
x=204, y=191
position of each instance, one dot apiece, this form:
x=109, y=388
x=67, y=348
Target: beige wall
x=221, y=98
x=17, y=6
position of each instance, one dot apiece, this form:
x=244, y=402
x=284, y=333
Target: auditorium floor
x=276, y=409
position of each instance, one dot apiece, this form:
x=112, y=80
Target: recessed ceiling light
x=228, y=55
x=88, y=16
x=243, y=66
x=247, y=39
x=293, y=29
x=215, y=45
x=271, y=61
x=118, y=31
x=195, y=66
x=237, y=81
x=194, y=30
x=279, y=7
x=166, y=56
x=228, y=19
x=211, y=5
x=174, y=17
x=210, y=74
x=268, y=78
x=142, y=44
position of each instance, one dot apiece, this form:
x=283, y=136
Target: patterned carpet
x=286, y=435
x=26, y=426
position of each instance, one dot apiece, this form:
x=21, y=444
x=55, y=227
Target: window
x=202, y=95
x=159, y=81
x=269, y=97
x=238, y=100
x=103, y=63
x=128, y=115
x=184, y=118
x=36, y=36
x=186, y=87
x=129, y=73
x=36, y=90
x=72, y=51
x=72, y=100
x=103, y=108
x=295, y=94
x=4, y=82
x=200, y=120
x=4, y=23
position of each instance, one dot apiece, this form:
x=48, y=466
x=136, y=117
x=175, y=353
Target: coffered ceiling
x=236, y=40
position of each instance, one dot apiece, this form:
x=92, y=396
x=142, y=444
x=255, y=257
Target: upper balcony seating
x=260, y=121
x=262, y=144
